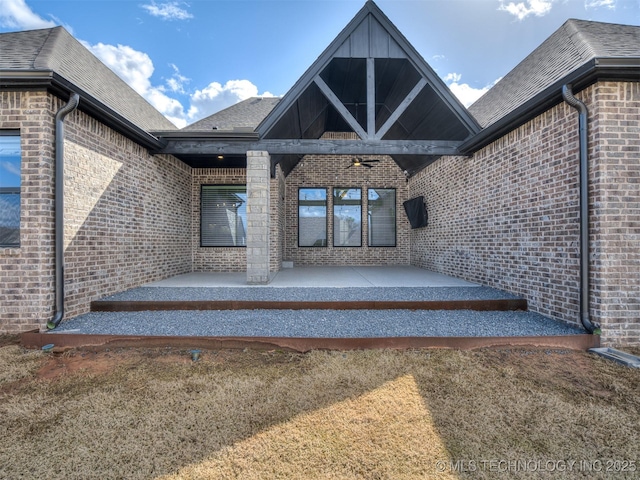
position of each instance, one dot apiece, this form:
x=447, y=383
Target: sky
x=190, y=59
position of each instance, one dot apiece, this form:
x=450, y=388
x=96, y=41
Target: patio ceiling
x=369, y=81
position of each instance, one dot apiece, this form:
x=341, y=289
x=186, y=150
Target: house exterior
x=319, y=177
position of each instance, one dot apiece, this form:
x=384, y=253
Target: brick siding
x=328, y=171
x=615, y=190
x=126, y=212
x=26, y=273
x=277, y=223
x=215, y=259
x=508, y=216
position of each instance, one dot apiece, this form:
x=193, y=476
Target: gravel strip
x=319, y=323
x=310, y=294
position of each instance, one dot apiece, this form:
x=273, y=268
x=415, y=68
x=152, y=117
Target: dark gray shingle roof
x=55, y=49
x=570, y=47
x=243, y=115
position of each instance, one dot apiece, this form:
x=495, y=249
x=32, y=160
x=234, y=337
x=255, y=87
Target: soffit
x=371, y=82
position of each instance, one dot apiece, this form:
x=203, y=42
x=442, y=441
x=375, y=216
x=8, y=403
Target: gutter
x=600, y=68
x=568, y=97
x=59, y=209
x=59, y=86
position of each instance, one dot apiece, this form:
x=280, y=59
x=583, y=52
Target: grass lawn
x=156, y=414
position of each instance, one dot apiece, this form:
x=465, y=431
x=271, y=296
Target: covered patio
x=323, y=173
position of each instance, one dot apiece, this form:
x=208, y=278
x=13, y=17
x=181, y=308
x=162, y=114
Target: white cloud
x=452, y=77
x=136, y=69
x=215, y=97
x=168, y=10
x=177, y=81
x=133, y=66
x=465, y=93
x=17, y=14
x=522, y=10
x=610, y=4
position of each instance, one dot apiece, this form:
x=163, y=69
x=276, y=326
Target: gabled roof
x=370, y=80
x=573, y=45
x=30, y=53
x=242, y=116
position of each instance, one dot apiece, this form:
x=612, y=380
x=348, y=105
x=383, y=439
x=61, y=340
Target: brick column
x=258, y=170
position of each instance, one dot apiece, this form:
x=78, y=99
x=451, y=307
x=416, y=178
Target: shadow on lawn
x=370, y=414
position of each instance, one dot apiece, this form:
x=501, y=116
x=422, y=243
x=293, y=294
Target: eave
x=56, y=85
x=609, y=68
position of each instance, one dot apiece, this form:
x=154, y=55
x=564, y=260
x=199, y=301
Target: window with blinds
x=312, y=217
x=223, y=216
x=347, y=217
x=10, y=172
x=381, y=216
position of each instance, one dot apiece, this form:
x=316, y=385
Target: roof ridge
x=576, y=33
x=36, y=60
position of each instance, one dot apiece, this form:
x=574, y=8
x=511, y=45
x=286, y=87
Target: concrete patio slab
x=324, y=277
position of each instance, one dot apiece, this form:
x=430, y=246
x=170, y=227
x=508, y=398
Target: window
x=381, y=215
x=223, y=215
x=10, y=156
x=347, y=217
x=312, y=217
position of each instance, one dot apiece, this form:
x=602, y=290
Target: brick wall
x=26, y=273
x=328, y=171
x=508, y=216
x=126, y=214
x=215, y=259
x=234, y=259
x=615, y=195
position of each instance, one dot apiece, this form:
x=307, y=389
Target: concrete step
x=156, y=305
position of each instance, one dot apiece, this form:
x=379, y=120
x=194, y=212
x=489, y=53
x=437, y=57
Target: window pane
x=382, y=217
x=347, y=217
x=223, y=216
x=9, y=161
x=9, y=189
x=312, y=217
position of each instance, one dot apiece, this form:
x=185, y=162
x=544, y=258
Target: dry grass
x=365, y=414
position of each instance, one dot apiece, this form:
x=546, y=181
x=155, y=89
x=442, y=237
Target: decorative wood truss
x=370, y=81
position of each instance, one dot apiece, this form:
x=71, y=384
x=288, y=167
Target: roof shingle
x=571, y=46
x=243, y=115
x=56, y=50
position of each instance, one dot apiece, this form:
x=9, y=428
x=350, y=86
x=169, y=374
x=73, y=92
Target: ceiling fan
x=358, y=162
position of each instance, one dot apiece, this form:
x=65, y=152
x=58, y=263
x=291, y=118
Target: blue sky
x=192, y=58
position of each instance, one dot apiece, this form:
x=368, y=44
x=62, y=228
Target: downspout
x=59, y=209
x=567, y=94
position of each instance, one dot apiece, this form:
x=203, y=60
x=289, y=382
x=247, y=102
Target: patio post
x=258, y=171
